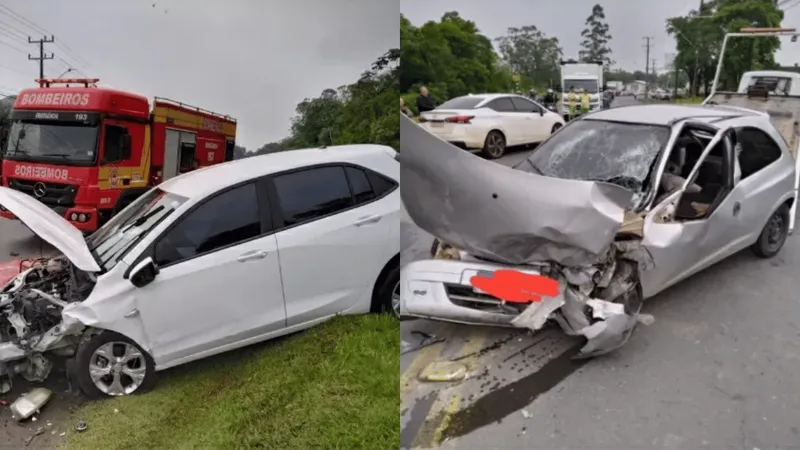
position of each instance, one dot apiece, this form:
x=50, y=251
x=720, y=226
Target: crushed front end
x=31, y=321
x=583, y=234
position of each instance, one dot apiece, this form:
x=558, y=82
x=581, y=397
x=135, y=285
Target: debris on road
x=426, y=340
x=81, y=426
x=526, y=414
x=443, y=371
x=30, y=403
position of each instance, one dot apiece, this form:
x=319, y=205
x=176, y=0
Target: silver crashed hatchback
x=616, y=206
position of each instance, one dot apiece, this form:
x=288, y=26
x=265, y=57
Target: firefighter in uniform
x=572, y=100
x=585, y=99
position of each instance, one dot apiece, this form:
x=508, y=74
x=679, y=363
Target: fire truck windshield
x=54, y=142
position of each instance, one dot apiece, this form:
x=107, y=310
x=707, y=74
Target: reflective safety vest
x=585, y=99
x=572, y=98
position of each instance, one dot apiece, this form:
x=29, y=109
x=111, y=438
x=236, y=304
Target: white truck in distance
x=583, y=77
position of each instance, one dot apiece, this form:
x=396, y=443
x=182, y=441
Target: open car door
x=690, y=229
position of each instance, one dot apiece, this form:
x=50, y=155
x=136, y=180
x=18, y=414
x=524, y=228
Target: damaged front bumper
x=601, y=302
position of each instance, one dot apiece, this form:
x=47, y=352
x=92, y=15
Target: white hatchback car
x=491, y=122
x=207, y=262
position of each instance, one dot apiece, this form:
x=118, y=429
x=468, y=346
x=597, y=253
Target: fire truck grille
x=54, y=195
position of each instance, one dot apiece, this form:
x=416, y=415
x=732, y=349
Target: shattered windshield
x=595, y=150
x=110, y=243
x=71, y=142
x=581, y=85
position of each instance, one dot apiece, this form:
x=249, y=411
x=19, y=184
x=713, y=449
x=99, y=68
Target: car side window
x=756, y=150
x=381, y=185
x=502, y=104
x=309, y=194
x=523, y=105
x=359, y=185
x=223, y=220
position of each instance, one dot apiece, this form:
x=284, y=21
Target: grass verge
x=333, y=386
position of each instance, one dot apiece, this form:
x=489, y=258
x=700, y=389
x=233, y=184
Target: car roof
x=207, y=180
x=669, y=114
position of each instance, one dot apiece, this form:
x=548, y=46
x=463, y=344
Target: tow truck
x=87, y=151
x=783, y=109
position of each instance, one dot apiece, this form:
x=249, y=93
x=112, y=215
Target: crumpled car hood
x=51, y=227
x=501, y=214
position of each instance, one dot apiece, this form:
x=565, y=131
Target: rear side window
x=224, y=220
x=312, y=193
x=466, y=102
x=502, y=104
x=756, y=151
x=359, y=185
x=380, y=184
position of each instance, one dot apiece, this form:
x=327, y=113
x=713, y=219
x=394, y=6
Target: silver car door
x=677, y=246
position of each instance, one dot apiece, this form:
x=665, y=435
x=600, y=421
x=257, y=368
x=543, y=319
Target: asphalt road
x=717, y=369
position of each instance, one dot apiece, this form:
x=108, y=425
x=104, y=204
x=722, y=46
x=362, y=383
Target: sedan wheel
x=556, y=126
x=396, y=300
x=495, y=145
x=774, y=234
x=112, y=365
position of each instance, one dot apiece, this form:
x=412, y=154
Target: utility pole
x=675, y=68
x=42, y=57
x=647, y=67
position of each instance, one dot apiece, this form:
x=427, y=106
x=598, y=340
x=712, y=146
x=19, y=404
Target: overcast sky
x=629, y=22
x=252, y=59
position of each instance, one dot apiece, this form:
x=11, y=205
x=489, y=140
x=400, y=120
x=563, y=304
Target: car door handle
x=737, y=207
x=366, y=220
x=252, y=256
x=132, y=313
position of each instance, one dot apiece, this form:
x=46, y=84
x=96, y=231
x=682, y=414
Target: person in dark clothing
x=424, y=101
x=550, y=98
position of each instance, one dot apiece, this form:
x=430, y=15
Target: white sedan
x=204, y=263
x=491, y=122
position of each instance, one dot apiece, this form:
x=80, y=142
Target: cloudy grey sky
x=629, y=22
x=252, y=59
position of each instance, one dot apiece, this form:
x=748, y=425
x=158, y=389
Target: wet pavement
x=715, y=370
x=17, y=242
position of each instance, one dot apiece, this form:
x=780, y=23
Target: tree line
x=365, y=111
x=452, y=57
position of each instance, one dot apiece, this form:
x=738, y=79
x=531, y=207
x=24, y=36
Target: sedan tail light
x=459, y=119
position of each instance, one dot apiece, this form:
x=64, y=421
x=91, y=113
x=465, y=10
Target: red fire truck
x=88, y=152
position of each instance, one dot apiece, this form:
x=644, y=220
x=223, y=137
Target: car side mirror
x=541, y=111
x=144, y=273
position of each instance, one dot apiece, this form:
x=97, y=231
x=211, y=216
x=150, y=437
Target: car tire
x=389, y=292
x=494, y=146
x=555, y=128
x=774, y=234
x=88, y=355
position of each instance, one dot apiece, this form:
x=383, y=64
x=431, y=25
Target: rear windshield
x=595, y=150
x=466, y=102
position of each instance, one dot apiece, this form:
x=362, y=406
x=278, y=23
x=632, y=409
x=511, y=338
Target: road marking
x=424, y=357
x=442, y=410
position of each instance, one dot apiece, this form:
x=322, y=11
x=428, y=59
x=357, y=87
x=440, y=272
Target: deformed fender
x=108, y=315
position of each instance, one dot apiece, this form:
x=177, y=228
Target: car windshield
x=586, y=85
x=110, y=243
x=595, y=150
x=54, y=142
x=466, y=102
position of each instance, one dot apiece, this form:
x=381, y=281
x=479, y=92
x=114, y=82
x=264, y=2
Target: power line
x=19, y=18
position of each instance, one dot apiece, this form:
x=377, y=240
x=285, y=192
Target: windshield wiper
x=144, y=218
x=61, y=155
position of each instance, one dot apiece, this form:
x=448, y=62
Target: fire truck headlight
x=73, y=217
x=82, y=218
